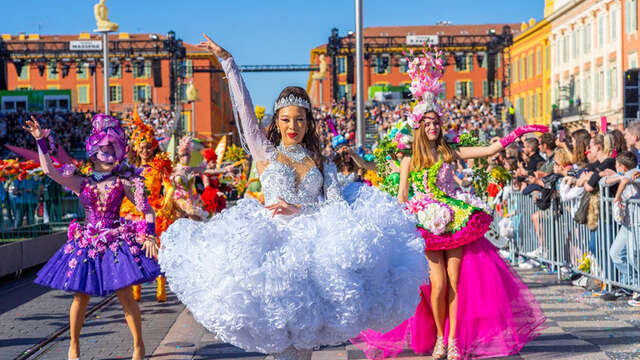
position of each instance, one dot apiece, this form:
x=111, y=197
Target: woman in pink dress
x=475, y=306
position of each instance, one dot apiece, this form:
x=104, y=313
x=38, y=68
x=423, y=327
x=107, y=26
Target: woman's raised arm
x=255, y=136
x=72, y=182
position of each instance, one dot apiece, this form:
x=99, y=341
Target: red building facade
x=133, y=80
x=467, y=79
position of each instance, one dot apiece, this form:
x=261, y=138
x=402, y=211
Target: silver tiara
x=291, y=100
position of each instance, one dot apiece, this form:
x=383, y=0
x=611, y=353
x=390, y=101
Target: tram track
x=44, y=346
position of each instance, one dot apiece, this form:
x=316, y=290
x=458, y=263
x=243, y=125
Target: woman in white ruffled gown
x=307, y=269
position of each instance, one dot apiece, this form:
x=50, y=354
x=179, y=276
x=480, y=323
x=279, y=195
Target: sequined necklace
x=294, y=152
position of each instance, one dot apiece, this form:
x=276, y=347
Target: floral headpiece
x=184, y=147
x=106, y=131
x=142, y=132
x=425, y=72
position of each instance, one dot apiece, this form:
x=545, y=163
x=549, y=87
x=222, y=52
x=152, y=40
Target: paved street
x=579, y=327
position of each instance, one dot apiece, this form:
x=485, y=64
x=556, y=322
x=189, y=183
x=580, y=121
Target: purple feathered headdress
x=106, y=131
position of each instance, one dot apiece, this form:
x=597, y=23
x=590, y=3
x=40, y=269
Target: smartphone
x=561, y=135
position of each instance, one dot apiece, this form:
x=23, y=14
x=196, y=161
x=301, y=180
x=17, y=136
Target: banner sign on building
x=87, y=45
x=418, y=40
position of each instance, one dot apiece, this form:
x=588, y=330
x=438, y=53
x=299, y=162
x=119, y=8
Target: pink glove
x=505, y=141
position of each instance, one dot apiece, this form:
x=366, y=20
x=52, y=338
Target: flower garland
x=433, y=215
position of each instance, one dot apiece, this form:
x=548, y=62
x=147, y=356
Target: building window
x=539, y=62
x=587, y=46
x=342, y=67
x=464, y=88
x=141, y=93
x=485, y=88
x=600, y=31
x=115, y=71
x=530, y=67
x=443, y=93
x=631, y=16
x=342, y=91
x=586, y=85
x=24, y=73
x=115, y=93
x=83, y=94
x=404, y=65
x=574, y=45
x=565, y=49
x=466, y=63
x=82, y=72
x=548, y=102
x=51, y=75
x=382, y=65
x=633, y=60
x=614, y=83
x=188, y=68
x=142, y=71
x=614, y=24
x=522, y=68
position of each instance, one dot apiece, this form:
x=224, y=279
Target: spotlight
x=114, y=68
x=479, y=58
x=55, y=68
x=65, y=70
x=18, y=64
x=127, y=69
x=92, y=69
x=80, y=68
x=140, y=68
x=41, y=68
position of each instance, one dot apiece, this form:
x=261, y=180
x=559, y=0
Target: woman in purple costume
x=107, y=254
x=474, y=306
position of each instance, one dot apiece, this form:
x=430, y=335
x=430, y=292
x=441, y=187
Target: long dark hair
x=310, y=140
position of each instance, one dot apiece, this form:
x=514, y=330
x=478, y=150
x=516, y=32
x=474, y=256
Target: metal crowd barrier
x=552, y=237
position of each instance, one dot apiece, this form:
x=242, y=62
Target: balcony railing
x=571, y=110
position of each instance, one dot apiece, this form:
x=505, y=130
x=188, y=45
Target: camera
x=572, y=173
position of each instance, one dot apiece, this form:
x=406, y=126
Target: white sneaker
x=504, y=253
x=534, y=253
x=526, y=265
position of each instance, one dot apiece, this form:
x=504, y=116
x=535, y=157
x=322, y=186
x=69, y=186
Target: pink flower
x=92, y=253
x=79, y=252
x=83, y=242
x=69, y=273
x=134, y=250
x=73, y=263
x=137, y=259
x=75, y=230
x=68, y=249
x=101, y=247
x=113, y=246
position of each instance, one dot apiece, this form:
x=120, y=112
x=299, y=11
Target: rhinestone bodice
x=289, y=175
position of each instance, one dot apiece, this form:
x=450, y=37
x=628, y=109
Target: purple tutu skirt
x=497, y=314
x=99, y=260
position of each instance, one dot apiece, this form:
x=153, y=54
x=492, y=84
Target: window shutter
x=135, y=93
x=458, y=89
x=470, y=89
x=470, y=62
x=485, y=88
x=147, y=68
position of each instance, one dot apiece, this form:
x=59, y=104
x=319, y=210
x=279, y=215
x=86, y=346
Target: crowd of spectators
x=475, y=115
x=572, y=171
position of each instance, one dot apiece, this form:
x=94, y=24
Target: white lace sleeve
x=256, y=139
x=331, y=185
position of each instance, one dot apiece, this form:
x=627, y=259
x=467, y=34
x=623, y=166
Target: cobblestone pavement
x=29, y=313
x=579, y=327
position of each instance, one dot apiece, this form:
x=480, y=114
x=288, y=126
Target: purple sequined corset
x=445, y=180
x=102, y=208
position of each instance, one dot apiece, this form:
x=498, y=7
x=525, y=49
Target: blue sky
x=258, y=32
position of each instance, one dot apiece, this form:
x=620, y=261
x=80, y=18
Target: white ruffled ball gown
x=285, y=284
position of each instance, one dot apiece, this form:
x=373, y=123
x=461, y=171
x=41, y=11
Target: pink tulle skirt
x=497, y=314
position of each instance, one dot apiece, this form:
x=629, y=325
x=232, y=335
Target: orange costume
x=156, y=174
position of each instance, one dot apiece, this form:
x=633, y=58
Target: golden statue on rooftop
x=101, y=12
